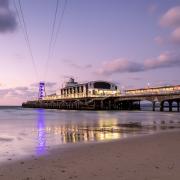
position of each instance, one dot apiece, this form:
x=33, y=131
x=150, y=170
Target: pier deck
x=121, y=102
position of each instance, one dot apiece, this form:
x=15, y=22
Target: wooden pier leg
x=120, y=105
x=115, y=105
x=154, y=105
x=170, y=106
x=94, y=105
x=162, y=106
x=109, y=105
x=102, y=104
x=139, y=105
x=130, y=105
x=178, y=105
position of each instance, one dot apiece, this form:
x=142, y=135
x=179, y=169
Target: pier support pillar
x=154, y=105
x=109, y=105
x=78, y=105
x=162, y=106
x=102, y=104
x=120, y=105
x=178, y=105
x=139, y=105
x=94, y=105
x=170, y=106
x=130, y=105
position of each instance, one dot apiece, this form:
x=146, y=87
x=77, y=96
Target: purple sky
x=129, y=42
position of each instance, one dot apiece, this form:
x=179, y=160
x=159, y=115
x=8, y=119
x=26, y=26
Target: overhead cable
x=20, y=15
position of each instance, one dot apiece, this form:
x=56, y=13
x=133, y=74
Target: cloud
x=175, y=36
x=4, y=92
x=164, y=60
x=21, y=93
x=4, y=3
x=77, y=66
x=21, y=88
x=171, y=18
x=120, y=65
x=17, y=92
x=47, y=84
x=135, y=78
x=7, y=17
x=50, y=84
x=152, y=8
x=159, y=40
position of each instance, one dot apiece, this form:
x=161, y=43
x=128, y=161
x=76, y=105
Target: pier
x=167, y=97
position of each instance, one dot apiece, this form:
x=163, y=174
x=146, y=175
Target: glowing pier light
x=41, y=130
x=41, y=90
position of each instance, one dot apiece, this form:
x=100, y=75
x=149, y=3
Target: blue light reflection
x=41, y=139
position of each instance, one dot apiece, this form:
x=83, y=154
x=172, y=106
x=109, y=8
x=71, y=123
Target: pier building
x=73, y=89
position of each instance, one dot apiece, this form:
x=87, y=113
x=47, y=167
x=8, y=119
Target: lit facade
x=157, y=90
x=91, y=89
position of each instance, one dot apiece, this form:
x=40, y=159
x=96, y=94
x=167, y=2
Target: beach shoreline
x=154, y=156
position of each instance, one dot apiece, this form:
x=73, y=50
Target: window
x=102, y=85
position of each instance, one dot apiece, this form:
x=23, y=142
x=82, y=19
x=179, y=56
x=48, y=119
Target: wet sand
x=151, y=157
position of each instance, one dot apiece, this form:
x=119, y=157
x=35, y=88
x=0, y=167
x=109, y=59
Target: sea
x=34, y=132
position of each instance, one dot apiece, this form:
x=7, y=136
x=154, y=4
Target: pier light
x=41, y=90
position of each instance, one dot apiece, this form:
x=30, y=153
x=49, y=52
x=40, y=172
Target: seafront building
x=73, y=89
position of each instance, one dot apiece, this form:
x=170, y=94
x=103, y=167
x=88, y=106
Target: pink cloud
x=152, y=8
x=8, y=20
x=159, y=40
x=175, y=36
x=119, y=65
x=164, y=60
x=171, y=18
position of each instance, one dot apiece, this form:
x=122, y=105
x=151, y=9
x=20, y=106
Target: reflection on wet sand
x=84, y=134
x=101, y=130
x=75, y=134
x=41, y=133
x=33, y=132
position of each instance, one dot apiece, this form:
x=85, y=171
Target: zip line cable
x=25, y=32
x=19, y=19
x=55, y=34
x=56, y=27
x=53, y=28
x=51, y=37
x=27, y=37
x=60, y=24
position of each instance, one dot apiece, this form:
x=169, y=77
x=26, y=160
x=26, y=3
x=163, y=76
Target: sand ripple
x=6, y=139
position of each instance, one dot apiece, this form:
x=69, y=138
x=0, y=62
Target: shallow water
x=27, y=132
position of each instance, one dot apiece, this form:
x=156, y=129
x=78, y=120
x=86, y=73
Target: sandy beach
x=150, y=157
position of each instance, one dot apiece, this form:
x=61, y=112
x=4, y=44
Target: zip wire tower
x=42, y=92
